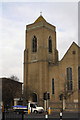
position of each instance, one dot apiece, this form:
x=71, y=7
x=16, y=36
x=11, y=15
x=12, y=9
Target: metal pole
x=46, y=115
x=64, y=105
x=3, y=115
x=3, y=112
x=61, y=115
x=22, y=115
x=45, y=105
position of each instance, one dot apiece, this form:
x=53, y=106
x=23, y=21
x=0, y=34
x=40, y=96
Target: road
x=33, y=116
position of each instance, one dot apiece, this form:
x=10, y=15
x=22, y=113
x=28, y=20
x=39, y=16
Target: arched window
x=50, y=44
x=34, y=44
x=79, y=77
x=34, y=97
x=69, y=78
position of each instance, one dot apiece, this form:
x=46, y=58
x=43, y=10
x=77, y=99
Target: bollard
x=22, y=115
x=49, y=111
x=60, y=115
x=46, y=116
x=29, y=111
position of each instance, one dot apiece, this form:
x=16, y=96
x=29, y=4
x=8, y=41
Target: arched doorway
x=34, y=97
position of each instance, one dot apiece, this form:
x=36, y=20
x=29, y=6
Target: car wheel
x=35, y=111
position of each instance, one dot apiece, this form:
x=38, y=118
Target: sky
x=14, y=16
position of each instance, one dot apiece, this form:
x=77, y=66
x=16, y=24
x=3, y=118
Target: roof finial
x=40, y=13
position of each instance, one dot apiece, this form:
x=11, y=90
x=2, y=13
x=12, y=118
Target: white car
x=34, y=108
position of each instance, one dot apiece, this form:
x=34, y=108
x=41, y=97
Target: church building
x=44, y=73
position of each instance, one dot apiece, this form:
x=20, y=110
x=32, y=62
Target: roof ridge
x=73, y=43
x=39, y=19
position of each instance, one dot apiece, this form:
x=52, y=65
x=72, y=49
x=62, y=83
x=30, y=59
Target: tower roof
x=39, y=19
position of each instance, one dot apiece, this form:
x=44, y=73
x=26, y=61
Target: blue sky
x=13, y=20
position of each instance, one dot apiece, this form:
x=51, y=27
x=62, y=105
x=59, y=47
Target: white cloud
x=11, y=48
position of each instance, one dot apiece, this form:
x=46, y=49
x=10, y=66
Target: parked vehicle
x=34, y=108
x=20, y=108
x=31, y=106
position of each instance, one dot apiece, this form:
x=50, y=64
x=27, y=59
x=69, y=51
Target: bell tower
x=40, y=52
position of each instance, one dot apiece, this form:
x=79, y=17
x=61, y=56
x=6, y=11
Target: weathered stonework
x=41, y=67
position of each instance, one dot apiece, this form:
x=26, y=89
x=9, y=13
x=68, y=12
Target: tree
x=10, y=90
x=14, y=77
x=65, y=94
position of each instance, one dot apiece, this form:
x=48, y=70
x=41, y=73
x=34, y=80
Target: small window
x=52, y=86
x=74, y=52
x=50, y=44
x=34, y=44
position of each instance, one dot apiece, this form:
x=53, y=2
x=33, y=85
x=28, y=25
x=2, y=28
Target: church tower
x=40, y=52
